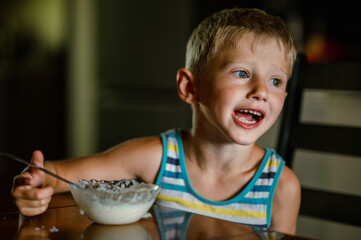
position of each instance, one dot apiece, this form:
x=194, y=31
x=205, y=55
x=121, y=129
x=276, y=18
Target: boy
x=238, y=62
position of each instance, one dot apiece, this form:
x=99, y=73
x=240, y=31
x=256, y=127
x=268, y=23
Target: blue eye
x=275, y=82
x=241, y=74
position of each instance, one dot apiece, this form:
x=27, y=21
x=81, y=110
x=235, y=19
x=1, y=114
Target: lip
x=248, y=125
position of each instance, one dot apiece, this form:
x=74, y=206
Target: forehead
x=251, y=45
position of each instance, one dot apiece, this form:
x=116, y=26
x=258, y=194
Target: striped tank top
x=252, y=206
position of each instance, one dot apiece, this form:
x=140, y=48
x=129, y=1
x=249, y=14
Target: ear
x=186, y=86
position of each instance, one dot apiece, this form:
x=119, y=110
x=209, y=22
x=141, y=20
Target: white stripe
x=257, y=195
x=232, y=206
x=172, y=234
x=172, y=140
x=268, y=169
x=176, y=220
x=274, y=157
x=175, y=181
x=163, y=209
x=264, y=182
x=172, y=154
x=173, y=168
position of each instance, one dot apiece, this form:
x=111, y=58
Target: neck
x=213, y=154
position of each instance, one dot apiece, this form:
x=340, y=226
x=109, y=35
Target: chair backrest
x=296, y=134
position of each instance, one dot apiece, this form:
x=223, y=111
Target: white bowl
x=114, y=202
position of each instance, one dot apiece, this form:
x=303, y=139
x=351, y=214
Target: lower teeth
x=241, y=119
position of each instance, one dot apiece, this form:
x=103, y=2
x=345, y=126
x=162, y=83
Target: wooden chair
x=295, y=134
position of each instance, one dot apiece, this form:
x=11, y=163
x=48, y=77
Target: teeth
x=241, y=119
x=252, y=112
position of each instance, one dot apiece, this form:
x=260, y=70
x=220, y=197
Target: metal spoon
x=11, y=156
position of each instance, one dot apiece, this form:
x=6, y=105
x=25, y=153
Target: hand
x=30, y=193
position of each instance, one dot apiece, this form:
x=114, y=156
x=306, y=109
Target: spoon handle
x=11, y=156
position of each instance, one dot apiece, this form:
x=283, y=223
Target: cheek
x=277, y=104
x=225, y=98
x=230, y=93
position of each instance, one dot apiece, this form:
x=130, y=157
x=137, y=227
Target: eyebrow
x=274, y=67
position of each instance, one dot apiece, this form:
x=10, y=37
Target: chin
x=245, y=137
x=245, y=141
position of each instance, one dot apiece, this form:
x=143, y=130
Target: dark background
x=33, y=78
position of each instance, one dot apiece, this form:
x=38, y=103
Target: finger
x=38, y=158
x=24, y=203
x=34, y=179
x=37, y=177
x=32, y=201
x=29, y=193
x=32, y=211
x=22, y=179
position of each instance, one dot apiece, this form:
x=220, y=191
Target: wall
x=140, y=50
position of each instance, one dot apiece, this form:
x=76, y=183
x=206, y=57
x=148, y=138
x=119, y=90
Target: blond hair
x=228, y=26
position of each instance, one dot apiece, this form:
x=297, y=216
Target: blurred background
x=79, y=76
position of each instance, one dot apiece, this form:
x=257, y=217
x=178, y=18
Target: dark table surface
x=63, y=220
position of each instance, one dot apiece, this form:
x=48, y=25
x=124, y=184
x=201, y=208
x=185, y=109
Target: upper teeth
x=252, y=112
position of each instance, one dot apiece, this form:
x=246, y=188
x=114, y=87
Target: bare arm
x=128, y=160
x=286, y=203
x=135, y=159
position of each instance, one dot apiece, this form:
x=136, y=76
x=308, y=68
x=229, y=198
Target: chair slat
x=336, y=139
x=333, y=76
x=335, y=206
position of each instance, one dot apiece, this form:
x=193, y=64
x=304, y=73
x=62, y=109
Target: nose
x=258, y=90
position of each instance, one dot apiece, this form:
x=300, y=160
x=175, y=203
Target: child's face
x=244, y=89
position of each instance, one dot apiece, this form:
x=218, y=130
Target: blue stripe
x=172, y=214
x=253, y=201
x=173, y=187
x=171, y=134
x=164, y=158
x=268, y=175
x=173, y=174
x=256, y=225
x=261, y=188
x=174, y=161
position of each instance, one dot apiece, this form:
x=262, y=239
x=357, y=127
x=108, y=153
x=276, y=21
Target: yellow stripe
x=273, y=162
x=211, y=209
x=173, y=147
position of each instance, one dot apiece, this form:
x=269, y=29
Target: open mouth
x=248, y=116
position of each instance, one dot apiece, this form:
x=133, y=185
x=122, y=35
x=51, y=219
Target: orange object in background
x=320, y=48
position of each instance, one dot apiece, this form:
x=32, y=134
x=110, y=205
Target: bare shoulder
x=288, y=183
x=286, y=202
x=288, y=191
